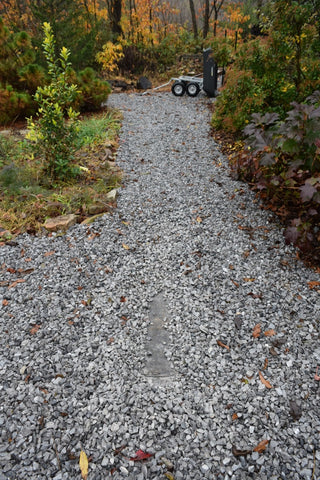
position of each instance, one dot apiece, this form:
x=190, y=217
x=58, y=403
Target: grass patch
x=28, y=198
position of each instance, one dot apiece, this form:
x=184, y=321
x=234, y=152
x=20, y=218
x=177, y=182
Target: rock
x=119, y=85
x=144, y=83
x=112, y=195
x=97, y=208
x=63, y=222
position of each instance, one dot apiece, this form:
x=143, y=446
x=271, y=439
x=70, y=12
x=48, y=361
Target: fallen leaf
x=199, y=219
x=222, y=345
x=240, y=453
x=261, y=446
x=84, y=465
x=34, y=329
x=265, y=366
x=14, y=284
x=11, y=270
x=235, y=283
x=5, y=303
x=313, y=285
x=270, y=333
x=140, y=455
x=248, y=279
x=264, y=381
x=169, y=476
x=234, y=416
x=256, y=330
x=126, y=247
x=48, y=254
x=123, y=299
x=316, y=376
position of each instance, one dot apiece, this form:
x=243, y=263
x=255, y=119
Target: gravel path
x=109, y=333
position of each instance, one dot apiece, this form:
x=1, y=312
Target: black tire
x=178, y=89
x=193, y=89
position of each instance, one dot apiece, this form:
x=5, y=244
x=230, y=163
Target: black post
x=210, y=73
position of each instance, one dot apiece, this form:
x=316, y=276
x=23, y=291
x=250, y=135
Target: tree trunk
x=114, y=11
x=206, y=17
x=194, y=19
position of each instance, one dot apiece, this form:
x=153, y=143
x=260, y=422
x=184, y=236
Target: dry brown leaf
x=246, y=279
x=14, y=284
x=34, y=329
x=256, y=330
x=313, y=285
x=199, y=219
x=265, y=366
x=48, y=254
x=261, y=446
x=240, y=453
x=270, y=333
x=5, y=303
x=234, y=416
x=235, y=283
x=126, y=247
x=264, y=381
x=222, y=345
x=84, y=465
x=316, y=376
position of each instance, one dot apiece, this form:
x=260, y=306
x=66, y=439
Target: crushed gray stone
x=75, y=331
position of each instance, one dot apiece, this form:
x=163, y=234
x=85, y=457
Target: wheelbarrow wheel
x=193, y=89
x=178, y=89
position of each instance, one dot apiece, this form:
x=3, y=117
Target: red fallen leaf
x=222, y=345
x=123, y=299
x=34, y=329
x=11, y=270
x=269, y=333
x=316, y=376
x=261, y=446
x=256, y=330
x=140, y=455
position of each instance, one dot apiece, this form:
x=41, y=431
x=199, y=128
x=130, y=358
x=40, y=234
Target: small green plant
x=54, y=134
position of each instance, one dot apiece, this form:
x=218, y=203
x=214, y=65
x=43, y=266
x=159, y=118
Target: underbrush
x=28, y=197
x=281, y=162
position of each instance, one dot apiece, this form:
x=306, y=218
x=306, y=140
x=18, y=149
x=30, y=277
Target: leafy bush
x=13, y=105
x=240, y=97
x=93, y=90
x=54, y=136
x=283, y=161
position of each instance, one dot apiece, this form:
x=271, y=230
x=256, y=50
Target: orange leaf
x=34, y=329
x=264, y=381
x=257, y=330
x=270, y=333
x=5, y=303
x=48, y=254
x=14, y=284
x=234, y=416
x=222, y=345
x=199, y=219
x=236, y=283
x=249, y=279
x=261, y=446
x=265, y=366
x=313, y=285
x=316, y=376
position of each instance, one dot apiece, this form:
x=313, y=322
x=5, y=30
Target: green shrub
x=93, y=90
x=240, y=97
x=55, y=132
x=13, y=105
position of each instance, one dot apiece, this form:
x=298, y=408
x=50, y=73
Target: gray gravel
x=189, y=252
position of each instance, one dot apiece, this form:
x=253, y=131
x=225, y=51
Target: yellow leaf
x=199, y=219
x=169, y=476
x=84, y=465
x=126, y=247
